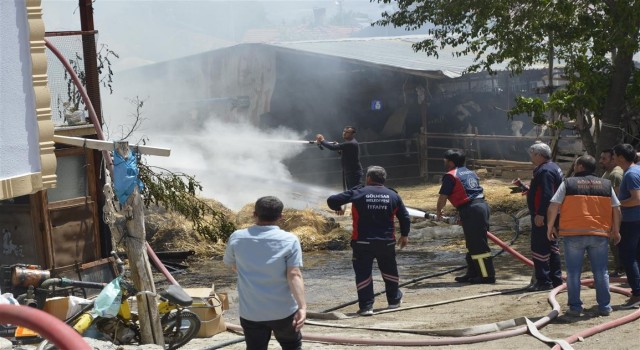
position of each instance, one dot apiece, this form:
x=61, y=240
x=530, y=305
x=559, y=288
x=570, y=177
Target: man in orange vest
x=589, y=217
x=461, y=187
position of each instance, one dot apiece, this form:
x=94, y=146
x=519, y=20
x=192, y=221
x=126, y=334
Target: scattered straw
x=316, y=229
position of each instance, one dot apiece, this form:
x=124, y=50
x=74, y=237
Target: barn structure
x=407, y=107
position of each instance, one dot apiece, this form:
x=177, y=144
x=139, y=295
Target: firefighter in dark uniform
x=547, y=177
x=349, y=156
x=461, y=187
x=374, y=236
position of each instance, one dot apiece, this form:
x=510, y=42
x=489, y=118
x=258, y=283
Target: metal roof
x=392, y=52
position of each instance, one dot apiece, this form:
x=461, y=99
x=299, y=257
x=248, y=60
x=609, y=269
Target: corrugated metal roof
x=393, y=52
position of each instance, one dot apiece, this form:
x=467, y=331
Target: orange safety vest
x=586, y=209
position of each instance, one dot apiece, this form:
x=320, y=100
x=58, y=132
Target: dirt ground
x=431, y=305
x=328, y=287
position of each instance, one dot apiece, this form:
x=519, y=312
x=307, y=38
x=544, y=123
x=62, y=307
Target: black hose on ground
x=225, y=344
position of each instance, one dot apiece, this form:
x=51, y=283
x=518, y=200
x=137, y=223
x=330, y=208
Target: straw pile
x=317, y=230
x=169, y=231
x=498, y=193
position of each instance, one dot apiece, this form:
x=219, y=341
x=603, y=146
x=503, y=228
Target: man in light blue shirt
x=267, y=261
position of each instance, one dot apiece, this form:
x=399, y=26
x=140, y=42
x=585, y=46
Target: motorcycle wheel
x=187, y=329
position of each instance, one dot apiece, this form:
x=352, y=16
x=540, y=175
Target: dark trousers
x=384, y=252
x=629, y=247
x=546, y=256
x=352, y=179
x=475, y=224
x=258, y=333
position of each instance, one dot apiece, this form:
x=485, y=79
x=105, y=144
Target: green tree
x=594, y=40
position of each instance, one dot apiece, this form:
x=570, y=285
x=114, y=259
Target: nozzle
x=520, y=184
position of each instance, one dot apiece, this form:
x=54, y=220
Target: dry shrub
x=170, y=231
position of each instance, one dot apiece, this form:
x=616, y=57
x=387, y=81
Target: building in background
x=405, y=105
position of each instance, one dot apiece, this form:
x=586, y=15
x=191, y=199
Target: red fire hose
x=441, y=341
x=49, y=327
x=508, y=248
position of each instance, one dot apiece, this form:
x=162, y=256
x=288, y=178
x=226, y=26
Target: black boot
x=482, y=280
x=471, y=271
x=489, y=277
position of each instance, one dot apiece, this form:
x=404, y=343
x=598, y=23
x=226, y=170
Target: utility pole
x=89, y=52
x=92, y=86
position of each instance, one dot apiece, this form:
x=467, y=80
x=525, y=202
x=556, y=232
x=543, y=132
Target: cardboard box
x=211, y=322
x=199, y=294
x=58, y=307
x=224, y=298
x=209, y=307
x=64, y=307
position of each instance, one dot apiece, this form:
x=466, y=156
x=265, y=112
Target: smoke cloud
x=238, y=163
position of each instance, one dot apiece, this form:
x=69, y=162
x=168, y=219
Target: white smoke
x=238, y=163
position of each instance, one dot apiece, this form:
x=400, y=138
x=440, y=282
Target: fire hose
x=477, y=338
x=482, y=337
x=63, y=336
x=442, y=341
x=432, y=217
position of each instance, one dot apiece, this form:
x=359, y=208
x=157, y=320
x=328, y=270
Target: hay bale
x=313, y=228
x=244, y=217
x=293, y=218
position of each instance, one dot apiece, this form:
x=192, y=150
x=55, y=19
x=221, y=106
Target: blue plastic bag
x=125, y=175
x=108, y=302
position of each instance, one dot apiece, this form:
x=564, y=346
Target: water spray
x=311, y=142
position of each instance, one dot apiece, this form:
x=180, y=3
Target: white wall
x=19, y=142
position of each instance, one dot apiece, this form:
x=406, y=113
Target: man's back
x=262, y=255
x=373, y=210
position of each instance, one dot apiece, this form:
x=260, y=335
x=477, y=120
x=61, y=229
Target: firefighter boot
x=484, y=263
x=471, y=270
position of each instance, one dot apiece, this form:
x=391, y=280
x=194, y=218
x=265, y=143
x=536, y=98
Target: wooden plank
x=109, y=145
x=503, y=163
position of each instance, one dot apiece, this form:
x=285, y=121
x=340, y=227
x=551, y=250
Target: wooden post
x=127, y=225
x=150, y=328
